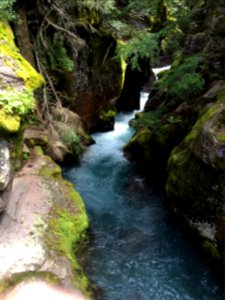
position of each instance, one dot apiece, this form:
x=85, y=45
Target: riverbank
x=137, y=250
x=42, y=228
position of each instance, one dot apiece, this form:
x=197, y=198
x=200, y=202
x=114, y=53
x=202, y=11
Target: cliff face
x=17, y=85
x=43, y=219
x=76, y=55
x=180, y=134
x=99, y=81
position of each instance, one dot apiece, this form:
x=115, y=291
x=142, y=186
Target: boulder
x=5, y=173
x=42, y=228
x=196, y=177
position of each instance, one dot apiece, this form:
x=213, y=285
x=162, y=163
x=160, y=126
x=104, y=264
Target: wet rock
x=134, y=82
x=196, y=181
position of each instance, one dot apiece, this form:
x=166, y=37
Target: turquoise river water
x=137, y=252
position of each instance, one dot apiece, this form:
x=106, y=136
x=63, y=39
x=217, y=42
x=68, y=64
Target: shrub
x=144, y=45
x=184, y=78
x=16, y=102
x=59, y=58
x=6, y=10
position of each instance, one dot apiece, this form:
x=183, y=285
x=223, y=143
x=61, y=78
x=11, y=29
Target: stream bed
x=137, y=252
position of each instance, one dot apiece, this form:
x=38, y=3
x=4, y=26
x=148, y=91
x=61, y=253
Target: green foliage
x=105, y=7
x=59, y=58
x=144, y=45
x=140, y=9
x=71, y=140
x=69, y=137
x=151, y=119
x=6, y=10
x=168, y=19
x=16, y=102
x=107, y=116
x=184, y=78
x=174, y=119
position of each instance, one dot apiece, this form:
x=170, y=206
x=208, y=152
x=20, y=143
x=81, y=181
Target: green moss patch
x=107, y=115
x=9, y=123
x=16, y=102
x=67, y=227
x=16, y=96
x=17, y=278
x=67, y=222
x=12, y=58
x=211, y=248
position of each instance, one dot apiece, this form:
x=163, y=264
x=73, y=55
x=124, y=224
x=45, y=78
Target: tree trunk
x=22, y=33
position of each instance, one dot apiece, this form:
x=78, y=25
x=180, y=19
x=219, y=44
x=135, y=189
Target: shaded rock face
x=5, y=174
x=191, y=129
x=99, y=79
x=196, y=176
x=134, y=82
x=85, y=72
x=42, y=226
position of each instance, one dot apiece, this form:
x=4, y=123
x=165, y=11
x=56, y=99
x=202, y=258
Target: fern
x=59, y=58
x=184, y=78
x=143, y=46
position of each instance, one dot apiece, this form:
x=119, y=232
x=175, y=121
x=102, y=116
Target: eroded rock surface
x=5, y=173
x=45, y=218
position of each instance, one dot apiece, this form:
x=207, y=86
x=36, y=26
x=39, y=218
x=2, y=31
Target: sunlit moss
x=19, y=100
x=107, y=115
x=67, y=223
x=17, y=278
x=12, y=57
x=8, y=123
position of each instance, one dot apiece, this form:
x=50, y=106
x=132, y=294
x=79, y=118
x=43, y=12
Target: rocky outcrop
x=42, y=228
x=78, y=59
x=134, y=82
x=18, y=80
x=181, y=133
x=5, y=173
x=196, y=178
x=100, y=83
x=44, y=221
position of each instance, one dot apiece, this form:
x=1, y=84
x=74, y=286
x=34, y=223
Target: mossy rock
x=18, y=81
x=8, y=123
x=51, y=228
x=35, y=136
x=32, y=80
x=196, y=195
x=18, y=278
x=206, y=139
x=67, y=227
x=211, y=248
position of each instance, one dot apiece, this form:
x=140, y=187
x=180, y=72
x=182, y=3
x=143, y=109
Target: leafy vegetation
x=16, y=102
x=6, y=10
x=59, y=58
x=184, y=78
x=144, y=45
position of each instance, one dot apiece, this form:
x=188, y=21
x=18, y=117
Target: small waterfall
x=156, y=71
